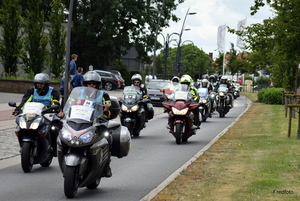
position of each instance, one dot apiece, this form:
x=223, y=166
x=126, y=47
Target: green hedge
x=270, y=96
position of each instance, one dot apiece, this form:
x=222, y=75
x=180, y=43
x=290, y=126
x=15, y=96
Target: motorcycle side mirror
x=12, y=104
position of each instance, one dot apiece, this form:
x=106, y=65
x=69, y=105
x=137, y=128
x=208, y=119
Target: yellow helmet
x=186, y=79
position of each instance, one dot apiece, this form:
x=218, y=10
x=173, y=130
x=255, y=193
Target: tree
x=195, y=61
x=218, y=64
x=277, y=40
x=110, y=28
x=10, y=45
x=57, y=37
x=35, y=40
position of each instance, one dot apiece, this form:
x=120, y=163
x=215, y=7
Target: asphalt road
x=153, y=158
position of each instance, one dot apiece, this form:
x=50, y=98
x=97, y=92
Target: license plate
x=154, y=98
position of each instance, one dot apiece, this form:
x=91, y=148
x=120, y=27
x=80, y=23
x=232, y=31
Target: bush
x=270, y=96
x=263, y=81
x=248, y=77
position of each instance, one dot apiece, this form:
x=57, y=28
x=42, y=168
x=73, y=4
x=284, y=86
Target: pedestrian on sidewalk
x=77, y=79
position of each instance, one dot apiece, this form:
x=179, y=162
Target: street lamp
x=155, y=42
x=66, y=82
x=179, y=43
x=166, y=52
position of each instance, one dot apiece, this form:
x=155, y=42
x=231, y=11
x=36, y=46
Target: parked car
x=119, y=75
x=109, y=80
x=154, y=87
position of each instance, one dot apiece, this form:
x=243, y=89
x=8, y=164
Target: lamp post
x=66, y=82
x=166, y=51
x=155, y=42
x=179, y=43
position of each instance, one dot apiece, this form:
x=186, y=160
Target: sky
x=210, y=15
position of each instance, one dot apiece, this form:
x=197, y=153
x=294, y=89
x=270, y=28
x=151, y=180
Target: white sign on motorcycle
x=81, y=112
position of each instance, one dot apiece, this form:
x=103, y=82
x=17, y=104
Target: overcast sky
x=210, y=15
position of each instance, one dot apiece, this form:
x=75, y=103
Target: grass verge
x=253, y=160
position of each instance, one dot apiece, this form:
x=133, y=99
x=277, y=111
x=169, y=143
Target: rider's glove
x=145, y=96
x=16, y=111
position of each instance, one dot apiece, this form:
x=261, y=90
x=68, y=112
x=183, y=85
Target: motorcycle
x=133, y=113
x=223, y=100
x=87, y=140
x=37, y=129
x=212, y=97
x=180, y=106
x=236, y=92
x=205, y=104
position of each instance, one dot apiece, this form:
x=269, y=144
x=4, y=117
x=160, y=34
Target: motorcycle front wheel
x=27, y=157
x=129, y=126
x=178, y=132
x=71, y=182
x=221, y=111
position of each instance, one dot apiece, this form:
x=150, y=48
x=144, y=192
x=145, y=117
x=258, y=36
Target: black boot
x=107, y=171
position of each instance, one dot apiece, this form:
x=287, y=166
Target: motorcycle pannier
x=121, y=142
x=150, y=111
x=114, y=108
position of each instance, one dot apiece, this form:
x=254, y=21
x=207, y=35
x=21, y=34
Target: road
x=154, y=156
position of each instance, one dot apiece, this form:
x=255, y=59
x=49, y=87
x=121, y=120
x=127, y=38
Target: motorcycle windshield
x=84, y=103
x=131, y=94
x=32, y=109
x=203, y=93
x=222, y=88
x=181, y=93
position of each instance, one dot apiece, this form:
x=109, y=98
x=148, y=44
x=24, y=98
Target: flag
x=240, y=27
x=221, y=38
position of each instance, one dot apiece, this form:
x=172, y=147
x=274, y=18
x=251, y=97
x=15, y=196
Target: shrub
x=263, y=81
x=248, y=77
x=270, y=96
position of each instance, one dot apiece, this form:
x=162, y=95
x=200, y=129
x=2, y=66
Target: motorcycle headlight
x=124, y=108
x=35, y=124
x=204, y=101
x=135, y=108
x=212, y=95
x=65, y=134
x=236, y=89
x=86, y=137
x=221, y=93
x=179, y=112
x=22, y=123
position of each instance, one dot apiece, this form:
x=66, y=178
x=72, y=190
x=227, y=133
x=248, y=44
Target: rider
x=174, y=83
x=41, y=92
x=186, y=79
x=212, y=80
x=93, y=79
x=223, y=80
x=206, y=84
x=136, y=80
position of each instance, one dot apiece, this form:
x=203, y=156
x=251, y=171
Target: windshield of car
x=158, y=85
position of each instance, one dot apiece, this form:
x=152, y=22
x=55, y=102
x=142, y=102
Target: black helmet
x=92, y=76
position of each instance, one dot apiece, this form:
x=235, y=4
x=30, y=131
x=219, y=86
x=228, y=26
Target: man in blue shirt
x=72, y=65
x=77, y=79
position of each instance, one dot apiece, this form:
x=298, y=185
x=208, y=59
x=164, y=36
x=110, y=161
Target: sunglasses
x=136, y=81
x=93, y=83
